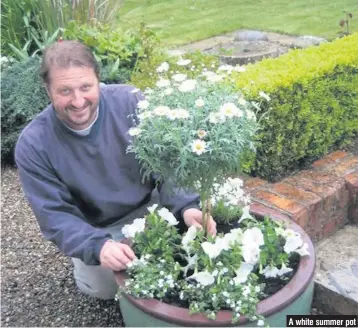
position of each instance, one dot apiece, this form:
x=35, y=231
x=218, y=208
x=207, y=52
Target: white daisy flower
x=199, y=102
x=163, y=67
x=187, y=86
x=161, y=110
x=162, y=83
x=198, y=146
x=179, y=77
x=143, y=104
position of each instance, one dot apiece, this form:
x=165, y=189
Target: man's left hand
x=193, y=216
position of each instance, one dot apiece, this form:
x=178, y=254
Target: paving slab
x=336, y=277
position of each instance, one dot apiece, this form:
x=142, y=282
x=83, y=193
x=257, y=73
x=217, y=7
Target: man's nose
x=78, y=100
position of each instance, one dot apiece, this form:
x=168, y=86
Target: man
x=75, y=172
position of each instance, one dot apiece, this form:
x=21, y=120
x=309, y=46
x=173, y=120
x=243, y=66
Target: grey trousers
x=95, y=280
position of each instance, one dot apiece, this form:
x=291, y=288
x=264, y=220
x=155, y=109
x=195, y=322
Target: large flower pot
x=294, y=298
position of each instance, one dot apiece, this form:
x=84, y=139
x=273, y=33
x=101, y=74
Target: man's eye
x=65, y=92
x=86, y=87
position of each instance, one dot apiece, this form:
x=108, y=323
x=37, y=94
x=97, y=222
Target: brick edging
x=321, y=199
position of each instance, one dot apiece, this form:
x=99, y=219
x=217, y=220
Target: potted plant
x=195, y=134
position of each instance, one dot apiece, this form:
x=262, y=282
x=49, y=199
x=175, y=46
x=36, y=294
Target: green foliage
x=118, y=52
x=313, y=107
x=23, y=97
x=226, y=213
x=144, y=76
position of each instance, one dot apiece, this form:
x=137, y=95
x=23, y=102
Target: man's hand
x=193, y=216
x=115, y=255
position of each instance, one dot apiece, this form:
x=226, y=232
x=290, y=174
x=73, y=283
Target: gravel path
x=37, y=287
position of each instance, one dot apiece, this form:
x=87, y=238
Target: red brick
x=353, y=214
x=253, y=184
x=330, y=159
x=346, y=167
x=262, y=210
x=352, y=182
x=298, y=194
x=316, y=176
x=344, y=198
x=329, y=227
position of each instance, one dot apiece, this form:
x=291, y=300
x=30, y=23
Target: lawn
x=183, y=21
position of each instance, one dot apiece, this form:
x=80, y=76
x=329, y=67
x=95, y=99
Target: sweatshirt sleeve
x=60, y=220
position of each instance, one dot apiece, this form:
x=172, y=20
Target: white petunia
x=292, y=244
x=284, y=269
x=143, y=104
x=189, y=236
x=191, y=263
x=270, y=272
x=162, y=83
x=303, y=251
x=129, y=230
x=187, y=86
x=165, y=214
x=253, y=236
x=204, y=278
x=183, y=62
x=245, y=213
x=179, y=77
x=250, y=253
x=163, y=67
x=243, y=273
x=264, y=95
x=198, y=146
x=212, y=250
x=199, y=103
x=152, y=208
x=134, y=131
x=161, y=110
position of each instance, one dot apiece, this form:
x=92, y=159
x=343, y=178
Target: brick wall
x=321, y=199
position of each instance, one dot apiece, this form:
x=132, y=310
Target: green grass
x=183, y=21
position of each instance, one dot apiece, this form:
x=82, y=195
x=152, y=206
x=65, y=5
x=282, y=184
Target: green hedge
x=22, y=98
x=313, y=107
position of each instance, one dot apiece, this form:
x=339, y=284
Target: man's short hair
x=66, y=54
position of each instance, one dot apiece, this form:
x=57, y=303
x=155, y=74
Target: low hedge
x=313, y=107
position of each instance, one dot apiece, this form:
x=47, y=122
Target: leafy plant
x=22, y=97
x=208, y=274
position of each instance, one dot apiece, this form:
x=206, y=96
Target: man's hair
x=66, y=54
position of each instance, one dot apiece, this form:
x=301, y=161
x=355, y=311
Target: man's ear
x=47, y=88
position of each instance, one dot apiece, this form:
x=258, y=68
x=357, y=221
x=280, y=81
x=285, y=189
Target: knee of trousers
x=105, y=291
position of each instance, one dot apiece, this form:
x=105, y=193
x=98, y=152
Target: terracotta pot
x=294, y=298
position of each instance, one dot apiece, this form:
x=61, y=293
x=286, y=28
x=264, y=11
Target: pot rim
x=273, y=304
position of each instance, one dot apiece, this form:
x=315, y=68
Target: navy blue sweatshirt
x=77, y=184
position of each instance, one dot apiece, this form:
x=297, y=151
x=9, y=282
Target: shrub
x=23, y=97
x=314, y=101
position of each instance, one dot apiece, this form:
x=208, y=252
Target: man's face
x=74, y=94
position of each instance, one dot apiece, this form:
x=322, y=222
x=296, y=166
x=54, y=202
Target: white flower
x=214, y=78
x=161, y=110
x=214, y=118
x=182, y=113
x=183, y=62
x=222, y=243
x=243, y=273
x=129, y=230
x=136, y=90
x=204, y=278
x=292, y=244
x=260, y=322
x=187, y=86
x=227, y=68
x=198, y=146
x=229, y=110
x=163, y=67
x=246, y=291
x=168, y=91
x=264, y=95
x=179, y=77
x=134, y=131
x=284, y=269
x=144, y=115
x=253, y=236
x=199, y=102
x=303, y=251
x=212, y=250
x=152, y=208
x=202, y=134
x=189, y=236
x=163, y=83
x=165, y=214
x=250, y=253
x=173, y=114
x=143, y=104
x=148, y=91
x=245, y=213
x=191, y=263
x=270, y=272
x=239, y=69
x=251, y=115
x=242, y=101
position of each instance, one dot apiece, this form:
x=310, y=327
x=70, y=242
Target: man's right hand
x=115, y=255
